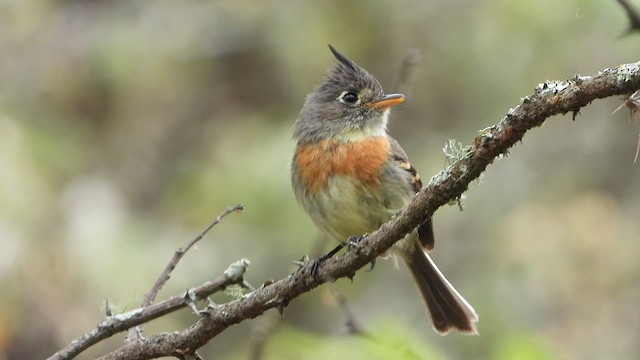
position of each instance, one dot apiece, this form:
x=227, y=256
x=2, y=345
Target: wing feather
x=424, y=230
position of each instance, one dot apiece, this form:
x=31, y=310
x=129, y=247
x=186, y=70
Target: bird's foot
x=355, y=242
x=317, y=263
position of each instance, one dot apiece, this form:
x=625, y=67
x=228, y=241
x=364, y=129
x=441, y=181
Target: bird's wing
x=400, y=158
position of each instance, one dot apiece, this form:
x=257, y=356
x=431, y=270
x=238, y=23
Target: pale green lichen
x=627, y=71
x=453, y=151
x=235, y=291
x=440, y=176
x=128, y=315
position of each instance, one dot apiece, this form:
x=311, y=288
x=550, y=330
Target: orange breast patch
x=362, y=159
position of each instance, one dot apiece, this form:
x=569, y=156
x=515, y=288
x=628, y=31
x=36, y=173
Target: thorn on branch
x=282, y=304
x=575, y=114
x=267, y=283
x=302, y=262
x=632, y=102
x=351, y=276
x=107, y=308
x=187, y=354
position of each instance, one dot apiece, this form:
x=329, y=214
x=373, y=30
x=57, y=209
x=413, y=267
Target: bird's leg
x=318, y=262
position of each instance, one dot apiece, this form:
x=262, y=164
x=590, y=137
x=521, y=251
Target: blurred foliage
x=127, y=126
x=388, y=341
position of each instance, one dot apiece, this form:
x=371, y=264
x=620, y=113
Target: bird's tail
x=447, y=308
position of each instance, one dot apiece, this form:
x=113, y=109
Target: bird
x=350, y=176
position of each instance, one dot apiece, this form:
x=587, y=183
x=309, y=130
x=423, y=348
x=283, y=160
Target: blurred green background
x=127, y=126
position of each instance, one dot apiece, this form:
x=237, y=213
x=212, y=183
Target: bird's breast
x=362, y=161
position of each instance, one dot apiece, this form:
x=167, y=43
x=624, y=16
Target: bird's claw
x=373, y=264
x=354, y=241
x=316, y=264
x=302, y=262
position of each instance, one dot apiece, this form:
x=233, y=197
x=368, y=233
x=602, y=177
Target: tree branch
x=149, y=297
x=549, y=98
x=121, y=322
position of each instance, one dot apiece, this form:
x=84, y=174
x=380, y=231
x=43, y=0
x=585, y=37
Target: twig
x=121, y=322
x=352, y=326
x=261, y=332
x=410, y=60
x=632, y=14
x=549, y=98
x=166, y=273
x=134, y=333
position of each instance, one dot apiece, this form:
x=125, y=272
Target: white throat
x=375, y=128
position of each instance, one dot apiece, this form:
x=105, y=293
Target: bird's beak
x=386, y=102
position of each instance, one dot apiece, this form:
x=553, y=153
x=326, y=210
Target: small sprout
x=115, y=309
x=191, y=298
x=191, y=295
x=237, y=269
x=107, y=308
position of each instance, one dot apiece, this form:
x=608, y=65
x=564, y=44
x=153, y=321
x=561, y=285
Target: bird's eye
x=350, y=98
